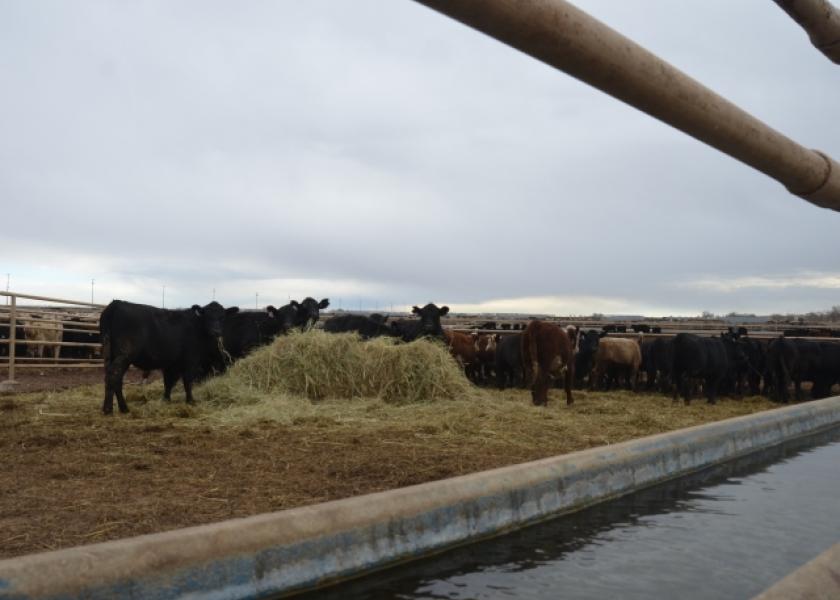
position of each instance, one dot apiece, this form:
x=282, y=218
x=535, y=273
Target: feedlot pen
x=63, y=335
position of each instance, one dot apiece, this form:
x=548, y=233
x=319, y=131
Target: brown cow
x=547, y=351
x=617, y=355
x=462, y=349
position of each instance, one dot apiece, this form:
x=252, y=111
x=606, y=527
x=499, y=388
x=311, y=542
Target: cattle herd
x=192, y=344
x=731, y=363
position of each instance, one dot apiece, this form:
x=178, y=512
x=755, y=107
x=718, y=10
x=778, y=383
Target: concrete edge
x=818, y=579
x=292, y=550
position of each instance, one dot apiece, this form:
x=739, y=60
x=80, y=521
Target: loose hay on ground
x=255, y=443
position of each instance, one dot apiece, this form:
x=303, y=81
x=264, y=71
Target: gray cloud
x=380, y=151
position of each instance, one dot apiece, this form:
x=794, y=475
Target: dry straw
x=319, y=366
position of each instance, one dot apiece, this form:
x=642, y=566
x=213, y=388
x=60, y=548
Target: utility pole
x=8, y=276
x=214, y=293
x=257, y=301
x=163, y=297
x=92, y=281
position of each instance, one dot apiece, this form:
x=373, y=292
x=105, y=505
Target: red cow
x=547, y=351
x=461, y=347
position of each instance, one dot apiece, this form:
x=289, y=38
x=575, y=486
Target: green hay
x=319, y=366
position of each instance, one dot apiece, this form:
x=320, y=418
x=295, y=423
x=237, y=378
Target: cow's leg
x=677, y=380
x=710, y=386
x=188, y=381
x=686, y=389
x=108, y=403
x=570, y=375
x=114, y=373
x=501, y=377
x=170, y=378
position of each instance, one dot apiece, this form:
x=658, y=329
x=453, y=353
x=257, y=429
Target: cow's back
x=147, y=336
x=619, y=351
x=245, y=331
x=546, y=345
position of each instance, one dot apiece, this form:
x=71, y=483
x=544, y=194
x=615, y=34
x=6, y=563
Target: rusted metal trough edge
x=288, y=551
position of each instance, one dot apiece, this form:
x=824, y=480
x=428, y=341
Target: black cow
x=509, y=361
x=308, y=311
x=613, y=328
x=795, y=360
x=366, y=326
x=77, y=332
x=658, y=359
x=245, y=331
x=427, y=325
x=180, y=342
x=20, y=339
x=642, y=328
x=751, y=371
x=829, y=368
x=713, y=360
x=587, y=346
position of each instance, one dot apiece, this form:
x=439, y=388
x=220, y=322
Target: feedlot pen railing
x=62, y=333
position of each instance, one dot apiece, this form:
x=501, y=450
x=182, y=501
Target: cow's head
x=430, y=318
x=284, y=316
x=212, y=317
x=309, y=311
x=734, y=349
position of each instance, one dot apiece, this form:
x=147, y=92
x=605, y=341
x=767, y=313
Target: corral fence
x=54, y=333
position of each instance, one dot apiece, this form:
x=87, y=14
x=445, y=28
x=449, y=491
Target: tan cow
x=617, y=355
x=40, y=331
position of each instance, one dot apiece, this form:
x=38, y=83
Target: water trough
x=280, y=553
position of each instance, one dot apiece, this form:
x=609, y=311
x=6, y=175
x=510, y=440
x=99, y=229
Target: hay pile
x=318, y=366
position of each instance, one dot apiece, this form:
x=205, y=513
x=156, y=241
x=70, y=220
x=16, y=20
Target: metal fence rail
x=15, y=319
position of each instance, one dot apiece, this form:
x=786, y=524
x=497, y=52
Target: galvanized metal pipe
x=820, y=20
x=565, y=37
x=12, y=340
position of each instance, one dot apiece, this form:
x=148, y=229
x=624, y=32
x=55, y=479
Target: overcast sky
x=378, y=153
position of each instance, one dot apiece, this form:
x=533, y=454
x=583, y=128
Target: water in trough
x=728, y=532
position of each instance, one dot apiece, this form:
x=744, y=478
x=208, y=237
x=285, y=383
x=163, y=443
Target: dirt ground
x=70, y=476
x=46, y=380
